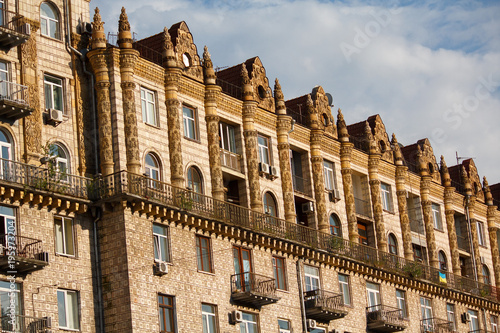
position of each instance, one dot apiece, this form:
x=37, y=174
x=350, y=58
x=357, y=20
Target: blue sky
x=429, y=68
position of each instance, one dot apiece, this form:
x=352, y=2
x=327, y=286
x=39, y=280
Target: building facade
x=143, y=191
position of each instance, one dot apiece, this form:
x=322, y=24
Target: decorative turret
x=279, y=98
x=124, y=35
x=341, y=127
x=398, y=157
x=466, y=181
x=422, y=166
x=169, y=59
x=372, y=145
x=208, y=67
x=487, y=192
x=445, y=175
x=246, y=84
x=98, y=35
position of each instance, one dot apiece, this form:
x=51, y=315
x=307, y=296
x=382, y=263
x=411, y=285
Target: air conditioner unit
x=465, y=317
x=483, y=260
x=161, y=268
x=48, y=322
x=307, y=207
x=26, y=29
x=274, y=171
x=85, y=27
x=55, y=116
x=334, y=195
x=311, y=324
x=236, y=316
x=263, y=167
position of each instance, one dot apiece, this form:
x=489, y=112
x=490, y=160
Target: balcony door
x=7, y=224
x=227, y=140
x=426, y=308
x=242, y=268
x=311, y=275
x=363, y=234
x=373, y=296
x=6, y=155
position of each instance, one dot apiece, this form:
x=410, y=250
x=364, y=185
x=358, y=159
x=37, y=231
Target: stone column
x=284, y=126
x=98, y=60
x=32, y=124
x=404, y=220
x=492, y=231
x=212, y=93
x=128, y=58
x=425, y=183
x=345, y=164
x=172, y=76
x=250, y=136
x=450, y=218
x=373, y=162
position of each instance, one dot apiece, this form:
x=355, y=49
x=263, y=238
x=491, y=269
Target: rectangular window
x=190, y=123
x=373, y=296
x=148, y=101
x=284, y=326
x=494, y=324
x=65, y=240
x=209, y=317
x=8, y=295
x=264, y=155
x=436, y=215
x=204, y=254
x=401, y=301
x=344, y=288
x=385, y=191
x=53, y=87
x=161, y=243
x=67, y=307
x=480, y=233
x=279, y=272
x=249, y=323
x=426, y=309
x=242, y=268
x=450, y=314
x=311, y=275
x=227, y=138
x=329, y=170
x=4, y=80
x=167, y=313
x=474, y=320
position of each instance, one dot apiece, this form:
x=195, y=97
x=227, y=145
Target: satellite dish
x=330, y=99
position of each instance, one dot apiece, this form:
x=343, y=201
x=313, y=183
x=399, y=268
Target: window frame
x=63, y=219
x=6, y=288
x=244, y=322
x=474, y=318
x=203, y=252
x=285, y=330
x=425, y=310
x=264, y=149
x=480, y=233
x=190, y=123
x=190, y=183
x=165, y=310
x=442, y=260
x=52, y=85
x=386, y=196
x=49, y=33
x=281, y=284
x=334, y=227
x=145, y=103
x=375, y=291
x=436, y=216
x=450, y=315
x=227, y=133
x=65, y=292
x=345, y=285
x=401, y=303
x=311, y=277
x=392, y=243
x=487, y=276
x=156, y=243
x=205, y=317
x=329, y=175
x=494, y=323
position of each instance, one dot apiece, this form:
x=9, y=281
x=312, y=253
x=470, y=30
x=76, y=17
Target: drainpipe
x=98, y=272
x=301, y=295
x=470, y=237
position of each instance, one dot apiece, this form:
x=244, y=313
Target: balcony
x=27, y=252
x=323, y=305
x=383, y=318
x=436, y=325
x=230, y=160
x=14, y=101
x=463, y=243
x=300, y=185
x=22, y=324
x=253, y=289
x=13, y=31
x=363, y=208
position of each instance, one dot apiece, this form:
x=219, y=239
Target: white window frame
x=474, y=320
x=480, y=233
x=401, y=302
x=152, y=171
x=5, y=296
x=148, y=106
x=264, y=149
x=245, y=322
x=70, y=326
x=426, y=312
x=329, y=171
x=436, y=216
x=373, y=299
x=494, y=323
x=311, y=277
x=228, y=137
x=64, y=232
x=47, y=20
x=288, y=323
x=345, y=288
x=190, y=120
x=53, y=85
x=386, y=194
x=156, y=239
x=450, y=315
x=207, y=317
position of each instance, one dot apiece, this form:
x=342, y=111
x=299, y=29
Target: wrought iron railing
x=22, y=324
x=363, y=207
x=436, y=325
x=253, y=283
x=20, y=246
x=230, y=89
x=13, y=92
x=148, y=53
x=12, y=21
x=324, y=299
x=388, y=314
x=46, y=179
x=230, y=160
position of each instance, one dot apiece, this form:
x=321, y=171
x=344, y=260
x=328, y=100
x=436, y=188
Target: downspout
x=301, y=295
x=70, y=49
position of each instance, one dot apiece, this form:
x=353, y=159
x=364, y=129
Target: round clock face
x=185, y=60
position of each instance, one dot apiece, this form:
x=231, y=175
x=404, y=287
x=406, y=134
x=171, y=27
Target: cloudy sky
x=429, y=68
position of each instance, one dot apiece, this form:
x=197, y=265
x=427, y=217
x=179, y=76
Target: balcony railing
x=436, y=325
x=383, y=318
x=22, y=324
x=324, y=305
x=13, y=31
x=253, y=289
x=27, y=252
x=300, y=184
x=46, y=179
x=14, y=100
x=363, y=207
x=230, y=160
x=123, y=183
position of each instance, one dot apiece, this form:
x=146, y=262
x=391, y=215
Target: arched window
x=194, y=180
x=49, y=21
x=59, y=160
x=270, y=205
x=152, y=167
x=442, y=261
x=393, y=244
x=5, y=146
x=486, y=275
x=335, y=227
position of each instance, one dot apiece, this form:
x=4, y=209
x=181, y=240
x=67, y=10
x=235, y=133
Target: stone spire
x=98, y=35
x=398, y=157
x=372, y=145
x=422, y=167
x=279, y=98
x=169, y=59
x=445, y=175
x=487, y=192
x=208, y=67
x=124, y=35
x=341, y=127
x=466, y=181
x=246, y=84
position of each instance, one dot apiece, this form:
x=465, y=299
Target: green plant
x=337, y=243
x=413, y=269
x=185, y=201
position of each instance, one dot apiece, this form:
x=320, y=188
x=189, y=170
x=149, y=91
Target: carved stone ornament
x=382, y=139
x=341, y=127
x=186, y=51
x=124, y=35
x=426, y=160
x=398, y=156
x=323, y=109
x=475, y=181
x=260, y=84
x=98, y=35
x=208, y=67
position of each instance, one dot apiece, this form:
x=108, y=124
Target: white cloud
x=416, y=65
